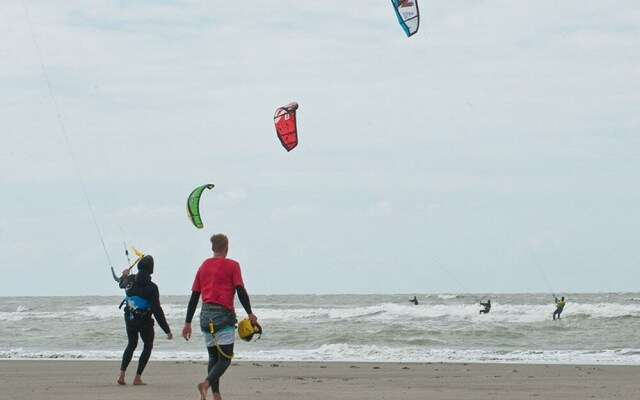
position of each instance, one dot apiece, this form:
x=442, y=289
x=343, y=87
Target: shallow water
x=596, y=328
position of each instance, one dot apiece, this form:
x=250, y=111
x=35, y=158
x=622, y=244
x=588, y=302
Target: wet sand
x=96, y=380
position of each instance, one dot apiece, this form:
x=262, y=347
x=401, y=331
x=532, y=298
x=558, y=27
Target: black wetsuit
x=141, y=291
x=487, y=307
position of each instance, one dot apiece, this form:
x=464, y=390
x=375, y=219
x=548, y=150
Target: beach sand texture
x=96, y=380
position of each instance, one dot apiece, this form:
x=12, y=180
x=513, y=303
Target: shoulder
x=233, y=266
x=233, y=262
x=206, y=263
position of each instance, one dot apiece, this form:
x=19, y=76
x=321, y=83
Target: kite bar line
x=522, y=234
x=449, y=275
x=113, y=271
x=535, y=259
x=138, y=253
x=126, y=251
x=64, y=131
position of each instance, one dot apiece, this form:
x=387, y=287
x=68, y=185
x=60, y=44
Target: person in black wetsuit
x=487, y=307
x=142, y=301
x=414, y=300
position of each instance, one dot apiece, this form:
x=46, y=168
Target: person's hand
x=126, y=272
x=169, y=335
x=186, y=331
x=253, y=318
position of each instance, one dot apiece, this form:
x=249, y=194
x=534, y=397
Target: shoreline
x=203, y=359
x=315, y=380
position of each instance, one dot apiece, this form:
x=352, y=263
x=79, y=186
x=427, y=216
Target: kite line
x=64, y=131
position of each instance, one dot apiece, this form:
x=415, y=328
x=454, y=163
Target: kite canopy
x=285, y=122
x=193, y=205
x=408, y=15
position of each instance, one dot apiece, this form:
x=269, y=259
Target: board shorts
x=224, y=322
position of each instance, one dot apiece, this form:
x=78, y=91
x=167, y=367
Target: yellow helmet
x=246, y=330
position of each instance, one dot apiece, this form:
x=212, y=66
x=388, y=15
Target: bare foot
x=202, y=388
x=121, y=379
x=138, y=381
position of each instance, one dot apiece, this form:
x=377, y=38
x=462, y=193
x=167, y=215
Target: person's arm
x=191, y=310
x=192, y=306
x=126, y=280
x=243, y=296
x=158, y=312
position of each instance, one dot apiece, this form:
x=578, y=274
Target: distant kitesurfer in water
x=487, y=307
x=559, y=307
x=141, y=302
x=414, y=300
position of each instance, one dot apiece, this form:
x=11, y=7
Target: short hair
x=219, y=242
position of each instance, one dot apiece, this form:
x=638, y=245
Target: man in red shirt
x=218, y=280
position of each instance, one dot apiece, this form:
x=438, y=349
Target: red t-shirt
x=216, y=280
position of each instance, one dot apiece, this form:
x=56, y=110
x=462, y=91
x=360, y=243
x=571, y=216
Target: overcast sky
x=497, y=150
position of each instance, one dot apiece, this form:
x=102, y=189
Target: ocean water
x=596, y=328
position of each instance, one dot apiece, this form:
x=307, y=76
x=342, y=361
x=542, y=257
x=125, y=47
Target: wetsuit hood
x=145, y=269
x=146, y=264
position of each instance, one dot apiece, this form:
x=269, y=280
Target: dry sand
x=96, y=380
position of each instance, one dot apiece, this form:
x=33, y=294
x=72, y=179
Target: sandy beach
x=96, y=380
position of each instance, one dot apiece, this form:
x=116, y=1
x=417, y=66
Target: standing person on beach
x=218, y=280
x=142, y=301
x=559, y=307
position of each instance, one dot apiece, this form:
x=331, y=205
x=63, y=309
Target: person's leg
x=218, y=363
x=203, y=387
x=147, y=334
x=217, y=369
x=213, y=358
x=132, y=336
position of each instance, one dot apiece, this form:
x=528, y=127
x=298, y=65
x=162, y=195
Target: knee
x=223, y=363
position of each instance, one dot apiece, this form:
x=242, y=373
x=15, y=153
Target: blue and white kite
x=408, y=15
